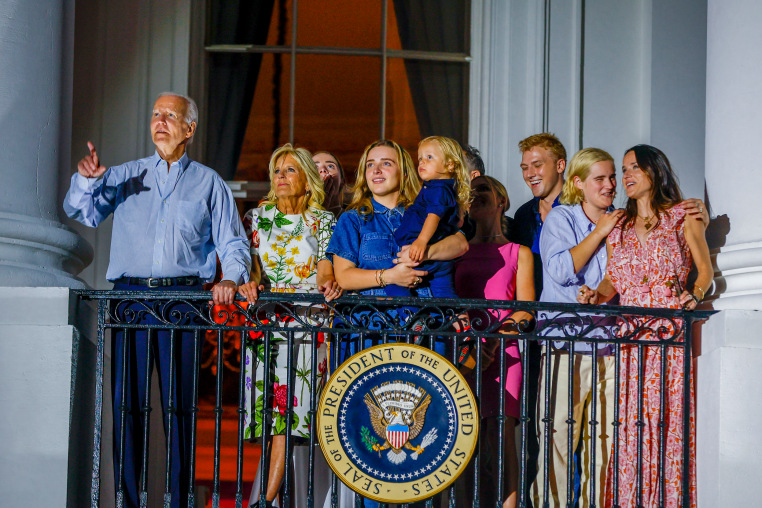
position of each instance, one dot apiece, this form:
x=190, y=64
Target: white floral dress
x=289, y=248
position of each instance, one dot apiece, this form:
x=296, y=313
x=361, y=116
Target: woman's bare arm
x=446, y=249
x=251, y=289
x=352, y=278
x=694, y=236
x=524, y=288
x=326, y=281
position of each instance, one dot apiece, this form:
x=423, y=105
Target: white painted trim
x=478, y=79
x=738, y=276
x=740, y=257
x=534, y=72
x=645, y=68
x=738, y=247
x=576, y=88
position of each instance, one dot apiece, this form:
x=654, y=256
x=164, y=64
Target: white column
x=733, y=132
x=35, y=104
x=730, y=366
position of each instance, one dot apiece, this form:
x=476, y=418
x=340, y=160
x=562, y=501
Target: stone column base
x=38, y=252
x=728, y=412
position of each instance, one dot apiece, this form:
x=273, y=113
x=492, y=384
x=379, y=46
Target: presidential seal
x=397, y=423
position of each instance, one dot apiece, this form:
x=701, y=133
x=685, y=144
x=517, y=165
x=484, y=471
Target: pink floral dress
x=652, y=275
x=288, y=248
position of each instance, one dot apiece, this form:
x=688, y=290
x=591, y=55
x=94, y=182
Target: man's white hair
x=191, y=113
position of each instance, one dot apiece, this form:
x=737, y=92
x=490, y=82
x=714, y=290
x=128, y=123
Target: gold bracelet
x=381, y=280
x=695, y=287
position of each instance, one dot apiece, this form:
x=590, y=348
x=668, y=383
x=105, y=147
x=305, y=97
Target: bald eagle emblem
x=398, y=411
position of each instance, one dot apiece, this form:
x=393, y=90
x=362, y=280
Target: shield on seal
x=397, y=435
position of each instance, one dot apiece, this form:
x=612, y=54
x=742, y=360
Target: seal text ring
x=397, y=423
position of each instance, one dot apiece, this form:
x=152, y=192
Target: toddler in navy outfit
x=436, y=212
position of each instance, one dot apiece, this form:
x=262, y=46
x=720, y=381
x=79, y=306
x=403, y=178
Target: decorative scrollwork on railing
x=400, y=316
x=136, y=311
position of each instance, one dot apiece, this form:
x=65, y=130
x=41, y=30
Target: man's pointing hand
x=90, y=166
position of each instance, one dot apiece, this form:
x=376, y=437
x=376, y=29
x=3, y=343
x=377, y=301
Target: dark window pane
x=401, y=121
x=440, y=96
x=249, y=22
x=337, y=105
x=428, y=25
x=267, y=125
x=339, y=23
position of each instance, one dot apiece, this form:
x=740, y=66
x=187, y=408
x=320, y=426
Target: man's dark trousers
x=135, y=393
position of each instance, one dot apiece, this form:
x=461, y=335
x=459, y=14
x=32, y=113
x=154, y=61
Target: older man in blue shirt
x=172, y=218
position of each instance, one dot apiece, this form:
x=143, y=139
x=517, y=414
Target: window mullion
x=384, y=64
x=405, y=54
x=292, y=80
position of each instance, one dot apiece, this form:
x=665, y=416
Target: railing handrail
x=276, y=297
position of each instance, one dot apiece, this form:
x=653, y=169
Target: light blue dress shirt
x=166, y=223
x=564, y=228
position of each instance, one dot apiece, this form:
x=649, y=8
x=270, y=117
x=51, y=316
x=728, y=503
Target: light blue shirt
x=166, y=223
x=564, y=228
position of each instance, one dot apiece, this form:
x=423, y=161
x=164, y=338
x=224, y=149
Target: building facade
x=680, y=75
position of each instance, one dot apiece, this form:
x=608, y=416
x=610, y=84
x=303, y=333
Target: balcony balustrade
x=281, y=323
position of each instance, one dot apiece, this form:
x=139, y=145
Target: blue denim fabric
x=440, y=198
x=368, y=242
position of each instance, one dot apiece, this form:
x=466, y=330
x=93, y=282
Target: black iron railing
x=353, y=323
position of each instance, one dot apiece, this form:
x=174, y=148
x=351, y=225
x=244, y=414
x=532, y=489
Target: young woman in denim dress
x=363, y=245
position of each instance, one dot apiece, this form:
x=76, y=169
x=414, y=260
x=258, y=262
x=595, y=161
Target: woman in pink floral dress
x=649, y=256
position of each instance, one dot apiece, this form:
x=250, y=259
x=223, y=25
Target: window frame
x=383, y=53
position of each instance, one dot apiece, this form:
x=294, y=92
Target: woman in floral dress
x=650, y=253
x=289, y=234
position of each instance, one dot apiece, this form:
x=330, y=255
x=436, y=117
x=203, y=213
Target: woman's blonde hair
x=453, y=153
x=303, y=159
x=410, y=183
x=580, y=165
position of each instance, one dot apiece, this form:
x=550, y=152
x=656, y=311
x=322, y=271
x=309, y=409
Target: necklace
x=594, y=222
x=490, y=236
x=647, y=220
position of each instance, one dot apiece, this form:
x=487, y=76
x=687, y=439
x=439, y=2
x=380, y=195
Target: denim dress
x=368, y=242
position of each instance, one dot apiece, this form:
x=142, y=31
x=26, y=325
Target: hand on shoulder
x=695, y=209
